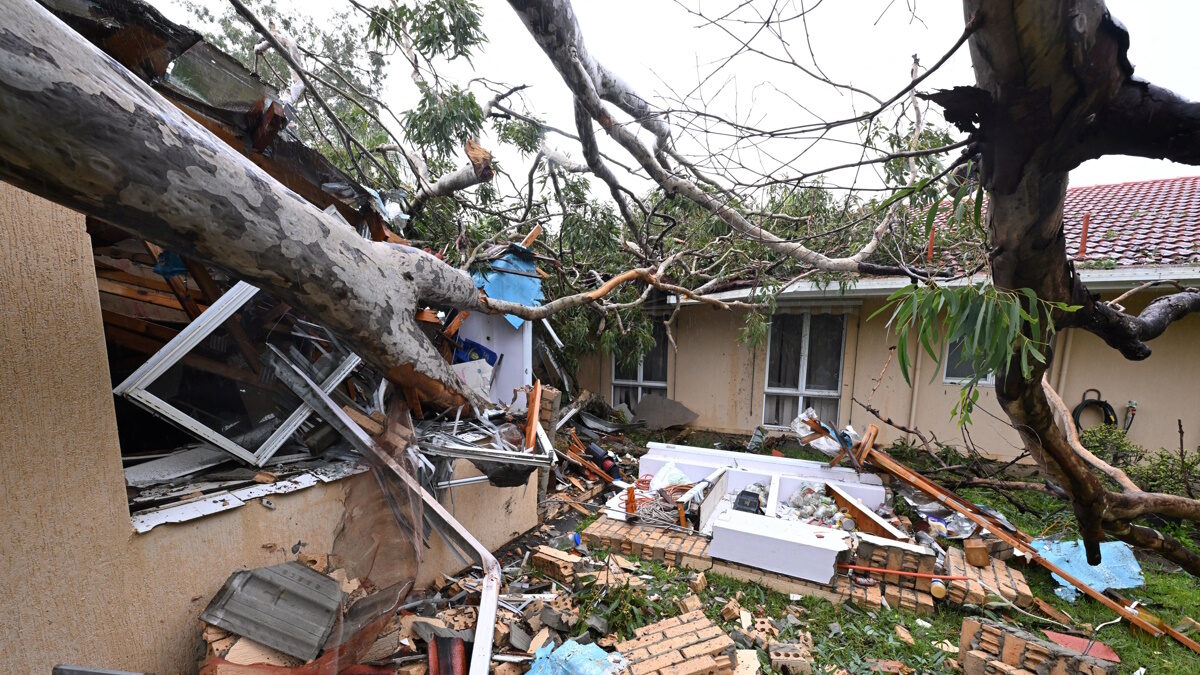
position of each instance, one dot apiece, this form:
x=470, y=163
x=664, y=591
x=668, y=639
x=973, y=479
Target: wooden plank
x=147, y=345
x=534, y=406
x=152, y=283
x=139, y=326
x=372, y=427
x=210, y=293
x=131, y=292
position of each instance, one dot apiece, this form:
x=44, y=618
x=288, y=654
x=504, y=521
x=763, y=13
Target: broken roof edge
x=1118, y=279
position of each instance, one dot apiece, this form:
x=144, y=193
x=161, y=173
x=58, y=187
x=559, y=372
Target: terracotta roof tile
x=1153, y=222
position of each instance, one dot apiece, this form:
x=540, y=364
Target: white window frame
x=801, y=390
x=988, y=380
x=641, y=382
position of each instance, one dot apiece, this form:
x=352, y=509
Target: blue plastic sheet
x=1119, y=569
x=522, y=286
x=573, y=658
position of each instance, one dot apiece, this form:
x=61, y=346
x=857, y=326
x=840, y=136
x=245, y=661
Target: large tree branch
x=1146, y=120
x=1129, y=333
x=553, y=25
x=81, y=130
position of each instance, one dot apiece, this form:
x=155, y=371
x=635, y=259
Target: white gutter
x=1118, y=279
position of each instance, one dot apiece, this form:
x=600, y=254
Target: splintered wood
x=689, y=644
x=997, y=577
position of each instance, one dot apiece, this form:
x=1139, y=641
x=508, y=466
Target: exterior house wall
x=723, y=381
x=715, y=375
x=80, y=585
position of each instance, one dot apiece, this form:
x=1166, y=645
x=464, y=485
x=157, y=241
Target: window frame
x=641, y=383
x=988, y=380
x=802, y=391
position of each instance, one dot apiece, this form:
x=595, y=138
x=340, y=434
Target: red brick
x=656, y=663
x=717, y=644
x=700, y=665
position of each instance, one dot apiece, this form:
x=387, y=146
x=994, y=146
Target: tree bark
x=81, y=130
x=1054, y=87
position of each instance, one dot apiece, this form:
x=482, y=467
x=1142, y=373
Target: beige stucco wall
x=723, y=381
x=714, y=374
x=79, y=585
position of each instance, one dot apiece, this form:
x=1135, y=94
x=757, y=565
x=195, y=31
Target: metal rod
x=305, y=388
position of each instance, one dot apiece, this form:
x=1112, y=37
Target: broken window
x=649, y=375
x=959, y=368
x=804, y=366
x=203, y=424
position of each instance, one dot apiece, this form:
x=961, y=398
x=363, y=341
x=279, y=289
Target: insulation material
x=1120, y=568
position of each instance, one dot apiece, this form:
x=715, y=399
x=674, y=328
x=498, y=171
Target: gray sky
x=657, y=46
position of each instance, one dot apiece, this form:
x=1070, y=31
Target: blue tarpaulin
x=522, y=285
x=575, y=659
x=1119, y=569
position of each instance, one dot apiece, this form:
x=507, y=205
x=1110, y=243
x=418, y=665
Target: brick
x=690, y=603
x=637, y=655
x=970, y=628
x=974, y=662
x=709, y=632
x=670, y=645
x=643, y=641
x=698, y=582
x=701, y=665
x=717, y=644
x=656, y=663
x=660, y=626
x=996, y=667
x=1012, y=649
x=732, y=610
x=793, y=659
x=682, y=629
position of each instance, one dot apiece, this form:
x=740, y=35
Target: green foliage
x=442, y=120
x=1170, y=471
x=999, y=330
x=446, y=28
x=526, y=136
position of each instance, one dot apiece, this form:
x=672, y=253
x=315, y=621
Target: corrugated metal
x=287, y=607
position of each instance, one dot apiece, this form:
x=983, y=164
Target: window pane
x=781, y=410
x=646, y=391
x=824, y=352
x=626, y=395
x=783, y=369
x=958, y=367
x=826, y=408
x=654, y=363
x=623, y=372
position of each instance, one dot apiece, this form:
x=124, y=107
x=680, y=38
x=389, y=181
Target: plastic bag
x=825, y=444
x=669, y=474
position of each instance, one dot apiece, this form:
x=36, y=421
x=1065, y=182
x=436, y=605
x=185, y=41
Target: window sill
x=226, y=500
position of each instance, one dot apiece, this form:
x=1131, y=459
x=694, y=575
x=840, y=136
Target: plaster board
x=786, y=547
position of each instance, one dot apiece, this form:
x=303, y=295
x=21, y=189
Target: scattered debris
x=984, y=642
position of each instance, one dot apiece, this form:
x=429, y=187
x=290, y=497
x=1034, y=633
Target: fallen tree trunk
x=81, y=130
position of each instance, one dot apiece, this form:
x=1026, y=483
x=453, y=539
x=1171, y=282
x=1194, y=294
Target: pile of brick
x=884, y=554
x=991, y=648
x=997, y=576
x=688, y=644
x=872, y=597
x=793, y=658
x=649, y=543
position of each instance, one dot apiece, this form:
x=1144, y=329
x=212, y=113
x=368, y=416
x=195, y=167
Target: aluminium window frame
x=988, y=380
x=641, y=382
x=802, y=392
x=135, y=387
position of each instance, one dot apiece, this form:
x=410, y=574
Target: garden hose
x=1106, y=410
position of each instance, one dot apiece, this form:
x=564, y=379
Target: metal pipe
x=307, y=390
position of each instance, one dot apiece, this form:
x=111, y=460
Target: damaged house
x=825, y=349
x=150, y=441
